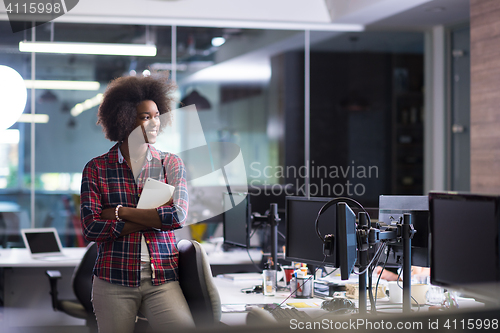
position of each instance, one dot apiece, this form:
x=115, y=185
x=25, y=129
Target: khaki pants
x=116, y=306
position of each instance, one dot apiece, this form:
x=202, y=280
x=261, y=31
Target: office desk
x=230, y=294
x=25, y=289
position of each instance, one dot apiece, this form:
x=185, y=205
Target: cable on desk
x=378, y=280
x=370, y=290
x=375, y=257
x=401, y=271
x=370, y=278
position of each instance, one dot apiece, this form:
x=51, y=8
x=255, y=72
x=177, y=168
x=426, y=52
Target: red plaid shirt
x=107, y=182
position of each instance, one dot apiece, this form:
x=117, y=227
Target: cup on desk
x=418, y=292
x=288, y=270
x=301, y=287
x=268, y=282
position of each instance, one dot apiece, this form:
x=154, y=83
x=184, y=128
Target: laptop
x=43, y=243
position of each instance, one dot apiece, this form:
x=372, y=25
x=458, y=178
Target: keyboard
x=286, y=314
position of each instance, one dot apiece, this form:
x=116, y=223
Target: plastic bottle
x=268, y=280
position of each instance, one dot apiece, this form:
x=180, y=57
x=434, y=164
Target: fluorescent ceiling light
x=232, y=72
x=33, y=118
x=146, y=50
x=86, y=105
x=62, y=85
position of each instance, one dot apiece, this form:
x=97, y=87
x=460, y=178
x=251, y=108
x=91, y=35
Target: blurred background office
x=373, y=96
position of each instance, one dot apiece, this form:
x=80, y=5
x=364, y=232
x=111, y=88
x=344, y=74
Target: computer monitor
x=465, y=231
x=236, y=218
x=391, y=208
x=346, y=239
x=302, y=242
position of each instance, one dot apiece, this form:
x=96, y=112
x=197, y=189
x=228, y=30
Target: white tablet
x=154, y=194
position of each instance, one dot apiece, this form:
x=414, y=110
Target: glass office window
x=365, y=104
x=366, y=114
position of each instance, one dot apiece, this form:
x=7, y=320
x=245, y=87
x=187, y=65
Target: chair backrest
x=195, y=278
x=82, y=278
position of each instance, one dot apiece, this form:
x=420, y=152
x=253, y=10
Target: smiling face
x=148, y=117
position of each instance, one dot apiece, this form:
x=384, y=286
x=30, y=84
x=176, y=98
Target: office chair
x=82, y=287
x=196, y=281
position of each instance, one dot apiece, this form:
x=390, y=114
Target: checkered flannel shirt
x=108, y=181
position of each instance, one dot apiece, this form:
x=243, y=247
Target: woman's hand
x=108, y=214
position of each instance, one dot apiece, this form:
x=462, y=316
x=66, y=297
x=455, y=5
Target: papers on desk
x=154, y=194
x=299, y=305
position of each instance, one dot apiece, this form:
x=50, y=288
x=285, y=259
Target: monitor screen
x=346, y=239
x=302, y=241
x=464, y=238
x=42, y=242
x=236, y=218
x=391, y=208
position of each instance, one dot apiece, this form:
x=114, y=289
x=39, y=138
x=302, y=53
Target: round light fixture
x=13, y=96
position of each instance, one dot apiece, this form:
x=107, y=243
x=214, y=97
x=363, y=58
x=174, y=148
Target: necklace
x=136, y=160
x=140, y=159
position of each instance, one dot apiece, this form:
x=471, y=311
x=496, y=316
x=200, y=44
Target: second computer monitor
x=465, y=231
x=393, y=207
x=302, y=241
x=346, y=246
x=236, y=218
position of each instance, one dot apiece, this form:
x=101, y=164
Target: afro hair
x=118, y=110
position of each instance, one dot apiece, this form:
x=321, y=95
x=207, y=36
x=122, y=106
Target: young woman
x=136, y=266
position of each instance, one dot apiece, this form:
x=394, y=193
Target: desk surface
x=230, y=292
x=22, y=258
x=231, y=296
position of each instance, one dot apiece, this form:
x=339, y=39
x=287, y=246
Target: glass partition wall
x=255, y=88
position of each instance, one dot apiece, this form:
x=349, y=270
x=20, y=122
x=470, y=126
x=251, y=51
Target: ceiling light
x=62, y=85
x=86, y=105
x=33, y=118
x=146, y=50
x=232, y=72
x=218, y=41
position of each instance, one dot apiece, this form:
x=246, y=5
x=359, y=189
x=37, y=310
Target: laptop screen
x=42, y=241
